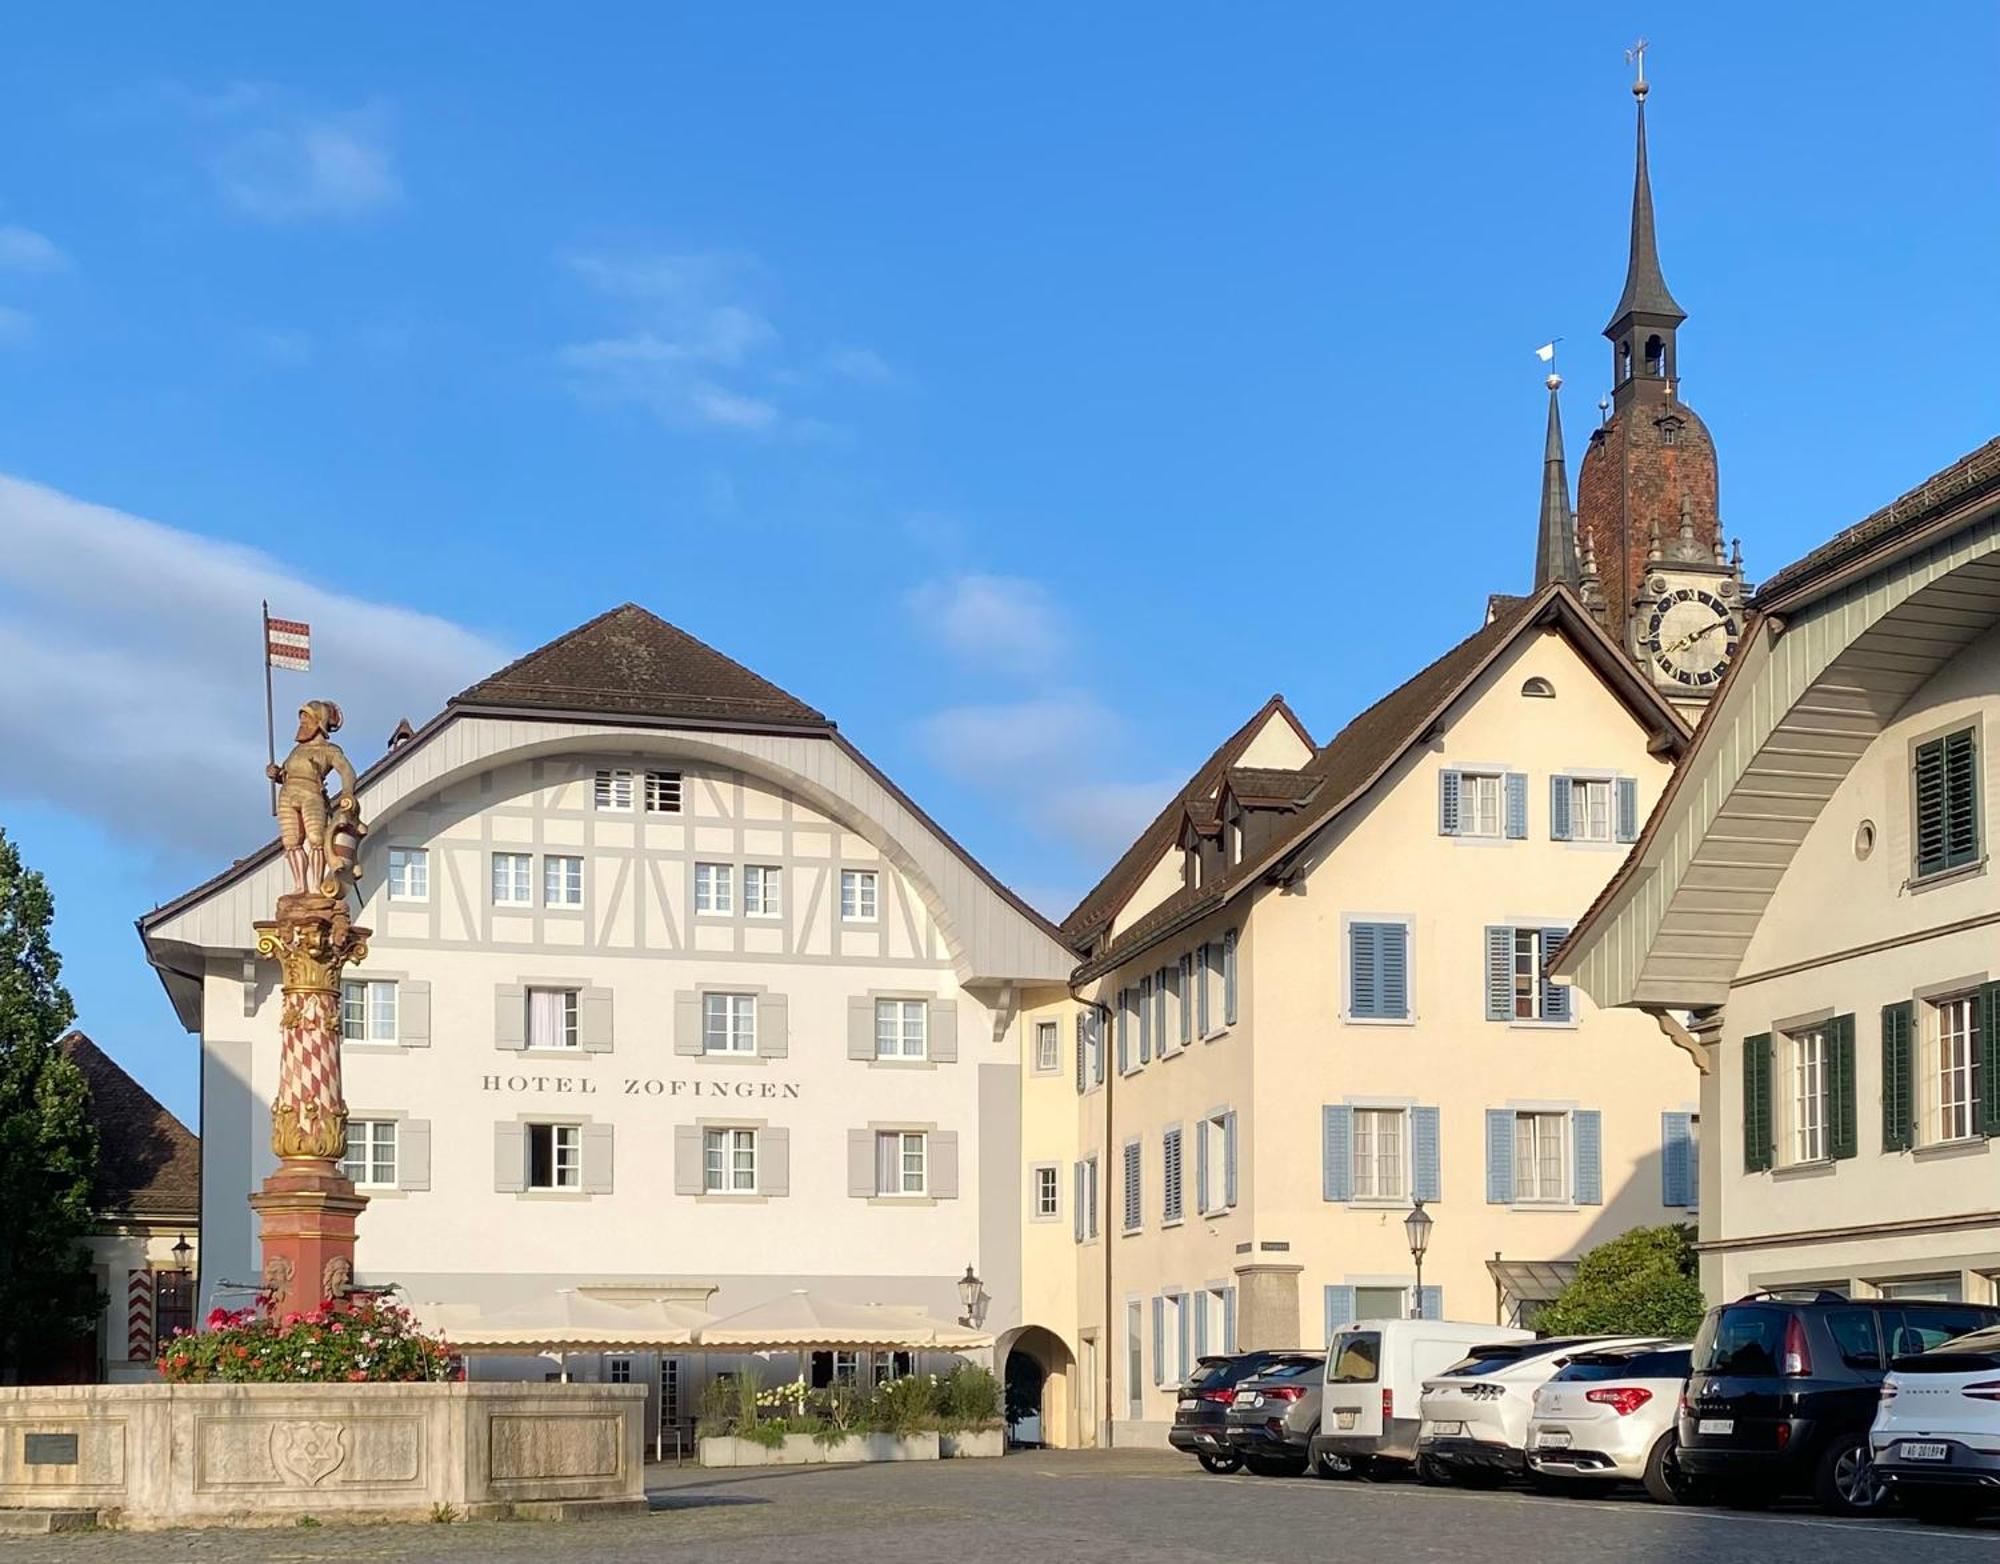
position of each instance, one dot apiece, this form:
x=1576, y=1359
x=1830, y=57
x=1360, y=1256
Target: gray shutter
x=1587, y=1135
x=1394, y=946
x=773, y=1027
x=1555, y=996
x=941, y=1037
x=1517, y=805
x=1448, y=819
x=1229, y=1159
x=1430, y=1303
x=687, y=1023
x=1201, y=977
x=510, y=1016
x=413, y=1014
x=1676, y=1144
x=1097, y=1042
x=593, y=1020
x=1181, y=1357
x=1499, y=1156
x=860, y=1027
x=861, y=1164
x=1338, y=1306
x=1627, y=791
x=941, y=1152
x=1364, y=970
x=413, y=1154
x=597, y=1141
x=1145, y=1020
x=1082, y=1053
x=1204, y=1200
x=1200, y=1311
x=774, y=1162
x=510, y=1158
x=1499, y=973
x=687, y=1159
x=1229, y=1319
x=1229, y=943
x=1428, y=1181
x=1336, y=1152
x=1159, y=1339
x=1560, y=795
x=1076, y=1199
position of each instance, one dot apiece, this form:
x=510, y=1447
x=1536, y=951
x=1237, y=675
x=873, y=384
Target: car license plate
x=1716, y=1425
x=1189, y=1405
x=1347, y=1417
x=1922, y=1452
x=1251, y=1400
x=1552, y=1439
x=1447, y=1430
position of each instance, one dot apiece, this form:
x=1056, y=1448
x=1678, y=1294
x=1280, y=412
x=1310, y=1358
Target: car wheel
x=1665, y=1482
x=1432, y=1475
x=1221, y=1465
x=1845, y=1482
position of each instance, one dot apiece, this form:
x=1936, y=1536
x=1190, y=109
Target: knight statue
x=322, y=842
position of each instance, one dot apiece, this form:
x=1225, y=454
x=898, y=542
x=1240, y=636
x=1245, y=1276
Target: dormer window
x=1236, y=838
x=1670, y=431
x=1191, y=869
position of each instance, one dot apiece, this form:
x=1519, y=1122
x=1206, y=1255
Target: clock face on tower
x=1689, y=638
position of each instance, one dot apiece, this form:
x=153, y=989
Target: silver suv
x=1272, y=1421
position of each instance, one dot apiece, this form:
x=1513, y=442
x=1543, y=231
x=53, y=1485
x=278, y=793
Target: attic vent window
x=1538, y=689
x=663, y=792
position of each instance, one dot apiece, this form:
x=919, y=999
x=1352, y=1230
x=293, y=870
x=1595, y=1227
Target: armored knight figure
x=321, y=843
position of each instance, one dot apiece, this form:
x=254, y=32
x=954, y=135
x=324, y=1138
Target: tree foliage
x=48, y=1144
x=1642, y=1283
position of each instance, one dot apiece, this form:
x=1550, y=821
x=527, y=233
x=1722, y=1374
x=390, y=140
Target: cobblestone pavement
x=1110, y=1506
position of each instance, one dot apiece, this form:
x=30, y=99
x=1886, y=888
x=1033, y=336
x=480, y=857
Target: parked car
x=1783, y=1390
x=1474, y=1426
x=1201, y=1410
x=1374, y=1375
x=1935, y=1443
x=1608, y=1416
x=1275, y=1414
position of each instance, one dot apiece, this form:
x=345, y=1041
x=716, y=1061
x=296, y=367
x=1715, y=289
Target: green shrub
x=1641, y=1283
x=715, y=1413
x=905, y=1406
x=968, y=1397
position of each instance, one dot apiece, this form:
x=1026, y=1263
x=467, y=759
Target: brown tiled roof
x=629, y=662
x=1270, y=784
x=1103, y=899
x=148, y=1164
x=1971, y=474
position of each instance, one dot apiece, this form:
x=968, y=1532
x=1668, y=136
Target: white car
x=1609, y=1417
x=1936, y=1439
x=1474, y=1427
x=1375, y=1371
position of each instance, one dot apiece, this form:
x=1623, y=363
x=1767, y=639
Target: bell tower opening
x=1656, y=357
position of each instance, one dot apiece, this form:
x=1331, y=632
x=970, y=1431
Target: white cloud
x=133, y=693
x=24, y=250
x=1007, y=624
x=295, y=167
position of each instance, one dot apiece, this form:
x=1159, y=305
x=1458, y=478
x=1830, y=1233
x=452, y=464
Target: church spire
x=1555, y=540
x=1645, y=286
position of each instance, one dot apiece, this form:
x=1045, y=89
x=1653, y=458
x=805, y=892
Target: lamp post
x=182, y=1250
x=969, y=1289
x=1417, y=1225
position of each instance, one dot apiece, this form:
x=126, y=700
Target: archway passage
x=1038, y=1371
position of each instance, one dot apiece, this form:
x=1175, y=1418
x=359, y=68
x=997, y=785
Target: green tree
x=1642, y=1283
x=48, y=1145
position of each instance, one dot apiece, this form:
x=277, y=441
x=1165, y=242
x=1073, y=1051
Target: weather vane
x=1636, y=56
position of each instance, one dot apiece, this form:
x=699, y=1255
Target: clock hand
x=1693, y=636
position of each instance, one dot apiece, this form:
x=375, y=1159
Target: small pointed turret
x=1555, y=539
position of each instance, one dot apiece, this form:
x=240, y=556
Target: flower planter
x=973, y=1444
x=806, y=1450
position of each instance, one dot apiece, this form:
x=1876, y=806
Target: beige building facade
x=1816, y=890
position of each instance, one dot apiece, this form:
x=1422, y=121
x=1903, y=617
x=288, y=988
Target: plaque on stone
x=48, y=1449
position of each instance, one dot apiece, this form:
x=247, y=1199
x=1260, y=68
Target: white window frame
x=565, y=1157
x=1593, y=809
x=1808, y=1095
x=611, y=790
x=860, y=896
x=1527, y=961
x=409, y=874
x=1541, y=1125
x=1476, y=790
x=893, y=1018
x=372, y=1146
x=729, y=1160
x=378, y=1023
x=1213, y=1163
x=562, y=880
x=1951, y=1076
x=1371, y=1158
x=912, y=1176
x=569, y=1040
x=513, y=879
x=763, y=890
x=1045, y=1191
x=1048, y=1048
x=665, y=793
x=728, y=1023
x=715, y=889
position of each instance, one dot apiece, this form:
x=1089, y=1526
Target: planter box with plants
x=917, y=1418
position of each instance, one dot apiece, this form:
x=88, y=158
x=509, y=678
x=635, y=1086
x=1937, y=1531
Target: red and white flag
x=288, y=644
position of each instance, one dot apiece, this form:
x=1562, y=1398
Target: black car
x=1202, y=1411
x=1784, y=1389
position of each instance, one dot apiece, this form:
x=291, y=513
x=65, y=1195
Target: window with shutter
x=1449, y=791
x=1898, y=1078
x=1170, y=1171
x=1946, y=803
x=1758, y=1139
x=1517, y=806
x=1841, y=1137
x=1229, y=978
x=1378, y=964
x=1676, y=1159
x=1133, y=1172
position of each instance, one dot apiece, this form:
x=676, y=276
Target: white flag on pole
x=1546, y=352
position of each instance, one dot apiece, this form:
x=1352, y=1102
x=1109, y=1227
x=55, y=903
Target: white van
x=1374, y=1377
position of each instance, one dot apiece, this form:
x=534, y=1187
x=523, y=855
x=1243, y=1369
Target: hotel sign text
x=638, y=1086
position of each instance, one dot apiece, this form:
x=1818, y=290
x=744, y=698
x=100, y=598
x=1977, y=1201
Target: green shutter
x=1757, y=1103
x=1844, y=1137
x=1989, y=1060
x=1899, y=1129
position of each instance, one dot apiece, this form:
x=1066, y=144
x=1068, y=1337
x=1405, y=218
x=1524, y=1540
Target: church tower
x=1646, y=512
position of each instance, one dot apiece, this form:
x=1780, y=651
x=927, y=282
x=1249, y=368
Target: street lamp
x=969, y=1287
x=1418, y=1226
x=182, y=1251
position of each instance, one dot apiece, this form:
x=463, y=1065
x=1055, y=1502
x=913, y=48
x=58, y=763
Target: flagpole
x=270, y=719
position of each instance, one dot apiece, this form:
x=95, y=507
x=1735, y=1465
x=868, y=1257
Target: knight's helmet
x=325, y=713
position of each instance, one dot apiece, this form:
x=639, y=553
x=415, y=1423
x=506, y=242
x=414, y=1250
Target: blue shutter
x=1200, y=1301
x=1182, y=1364
x=1202, y=1202
x=1082, y=1050
x=1097, y=1043
x=1393, y=994
x=1201, y=988
x=1159, y=1339
x=1076, y=1200
x=1676, y=1161
x=1628, y=809
x=1587, y=1133
x=1145, y=1020
x=1364, y=970
x=1430, y=1303
x=1229, y=1159
x=1124, y=1025
x=1229, y=978
x=1560, y=792
x=1555, y=996
x=1339, y=1306
x=1336, y=1152
x=1448, y=816
x=1229, y=1319
x=1428, y=1181
x=1499, y=973
x=1499, y=1156
x=1517, y=805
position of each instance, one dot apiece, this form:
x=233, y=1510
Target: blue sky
x=1035, y=389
